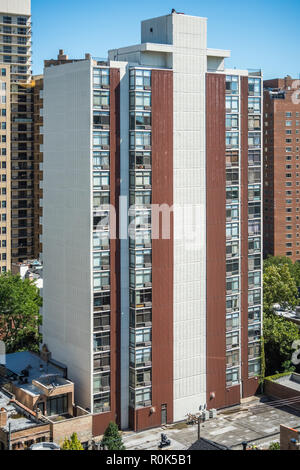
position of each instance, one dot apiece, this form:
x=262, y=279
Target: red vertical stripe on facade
x=216, y=240
x=162, y=257
x=101, y=421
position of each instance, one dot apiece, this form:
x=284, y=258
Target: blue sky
x=260, y=33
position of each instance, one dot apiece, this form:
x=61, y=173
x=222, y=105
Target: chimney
x=62, y=55
x=45, y=354
x=3, y=417
x=87, y=56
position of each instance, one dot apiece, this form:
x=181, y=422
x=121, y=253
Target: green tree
x=112, y=439
x=72, y=444
x=279, y=287
x=20, y=318
x=274, y=446
x=279, y=335
x=294, y=268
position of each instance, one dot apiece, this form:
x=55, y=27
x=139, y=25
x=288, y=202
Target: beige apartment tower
x=15, y=56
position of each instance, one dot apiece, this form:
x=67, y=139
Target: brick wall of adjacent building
x=286, y=436
x=281, y=236
x=279, y=391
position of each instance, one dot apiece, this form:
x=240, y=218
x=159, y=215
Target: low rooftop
x=291, y=381
x=17, y=418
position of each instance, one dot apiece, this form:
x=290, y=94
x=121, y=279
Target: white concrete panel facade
x=15, y=7
x=67, y=217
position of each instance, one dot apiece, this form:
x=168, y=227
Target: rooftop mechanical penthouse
x=152, y=328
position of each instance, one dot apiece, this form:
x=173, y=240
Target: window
x=232, y=303
x=254, y=297
x=254, y=86
x=254, y=279
x=232, y=284
x=254, y=210
x=140, y=120
x=100, y=198
x=140, y=259
x=140, y=79
x=254, y=139
x=232, y=321
x=232, y=84
x=139, y=357
x=101, y=118
x=254, y=244
x=232, y=358
x=254, y=157
x=101, y=139
x=140, y=337
x=254, y=105
x=140, y=297
x=232, y=213
x=140, y=178
x=232, y=139
x=101, y=280
x=288, y=123
x=254, y=332
x=254, y=227
x=232, y=231
x=232, y=121
x=232, y=194
x=140, y=278
x=101, y=160
x=57, y=405
x=140, y=198
x=232, y=267
x=101, y=260
x=232, y=377
x=100, y=240
x=101, y=341
x=254, y=192
x=254, y=123
x=254, y=368
x=139, y=378
x=140, y=140
x=102, y=403
x=254, y=175
x=100, y=78
x=254, y=314
x=140, y=100
x=102, y=301
x=101, y=382
x=101, y=98
x=232, y=340
x=254, y=262
x=140, y=398
x=232, y=104
x=100, y=179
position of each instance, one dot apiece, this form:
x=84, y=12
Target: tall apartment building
x=281, y=167
x=15, y=54
x=155, y=325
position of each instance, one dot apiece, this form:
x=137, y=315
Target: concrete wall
x=67, y=322
x=189, y=189
x=17, y=7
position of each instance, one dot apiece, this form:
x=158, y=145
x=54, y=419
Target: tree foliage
x=112, y=439
x=279, y=335
x=20, y=317
x=72, y=444
x=279, y=287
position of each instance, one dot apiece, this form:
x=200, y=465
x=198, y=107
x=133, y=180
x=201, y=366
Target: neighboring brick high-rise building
x=282, y=167
x=15, y=53
x=154, y=325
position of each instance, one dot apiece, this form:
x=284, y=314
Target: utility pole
x=9, y=436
